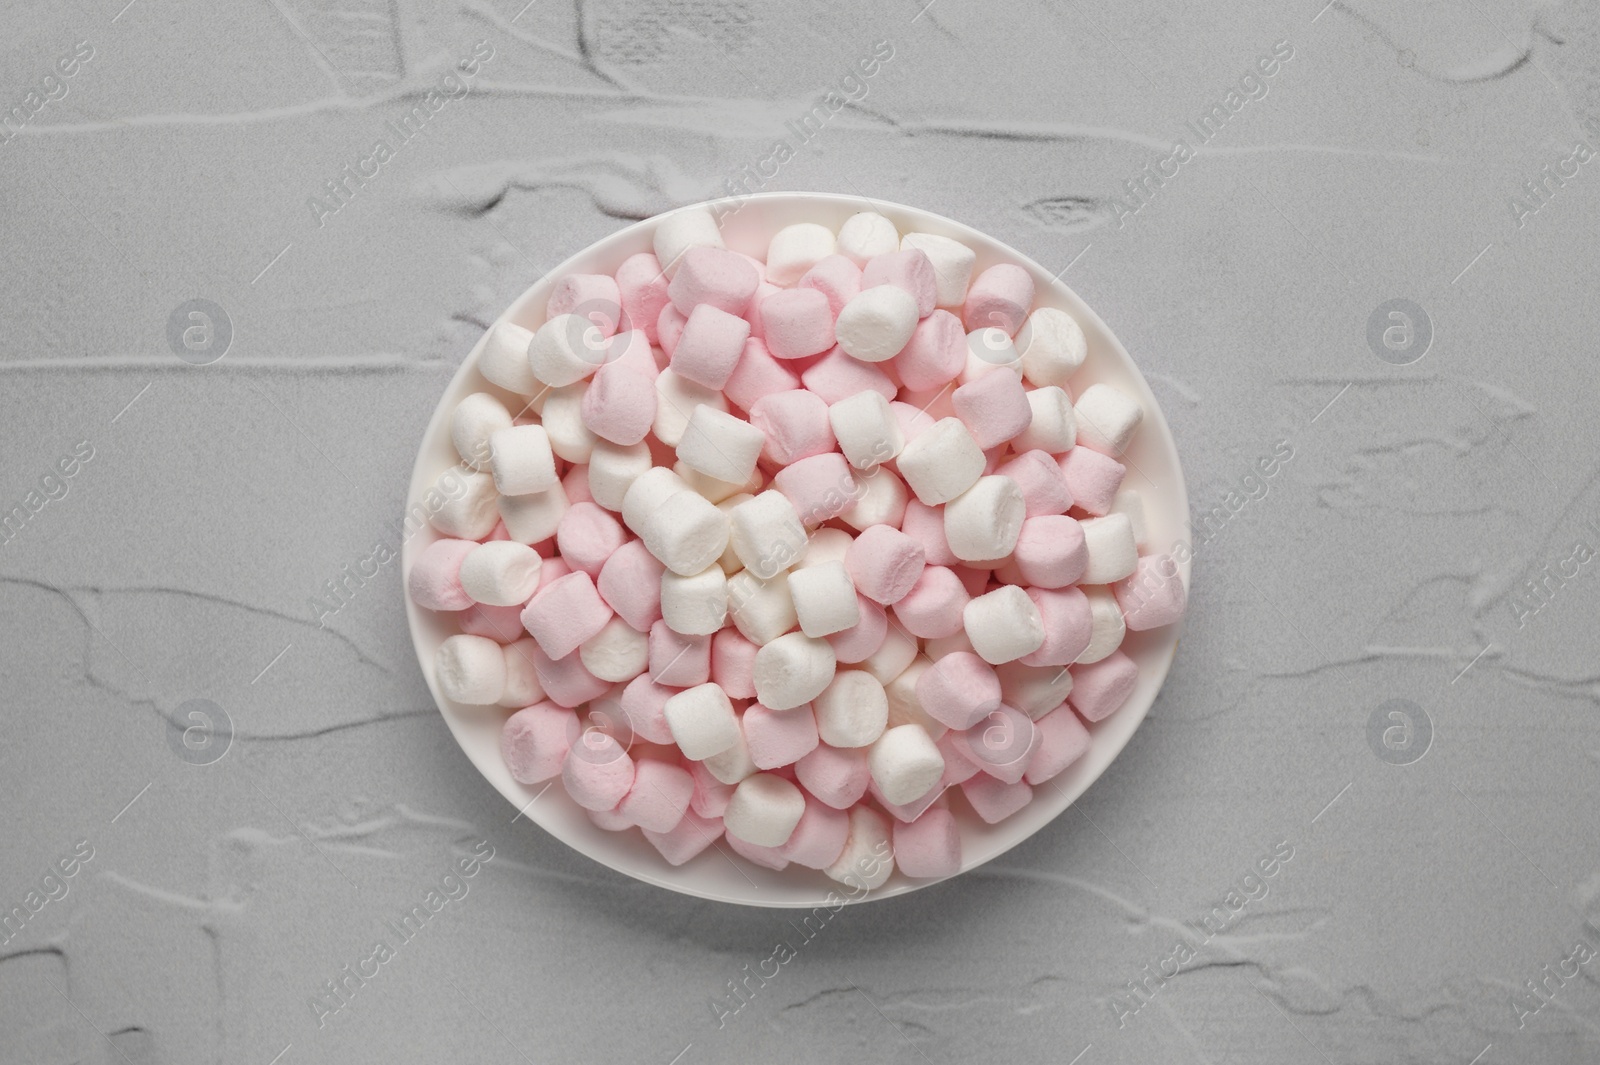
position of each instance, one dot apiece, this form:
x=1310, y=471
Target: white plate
x=1153, y=469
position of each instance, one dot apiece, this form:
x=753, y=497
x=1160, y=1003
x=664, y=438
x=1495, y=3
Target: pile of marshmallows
x=782, y=551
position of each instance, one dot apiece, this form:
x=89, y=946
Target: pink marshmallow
x=819, y=837
x=1003, y=743
x=620, y=403
x=1153, y=595
x=564, y=613
x=551, y=571
x=779, y=737
x=913, y=421
x=934, y=402
x=1099, y=688
x=642, y=287
x=1092, y=478
x=837, y=376
x=564, y=680
x=733, y=661
x=929, y=847
x=994, y=800
x=1051, y=551
x=752, y=313
x=503, y=624
x=435, y=578
x=758, y=374
x=959, y=690
x=576, y=485
x=724, y=279
x=710, y=347
x=687, y=839
x=958, y=764
x=820, y=487
x=863, y=639
x=935, y=355
x=610, y=820
x=644, y=704
x=974, y=577
x=1068, y=624
x=836, y=776
x=676, y=660
x=766, y=857
x=596, y=297
x=535, y=740
x=1062, y=741
x=597, y=772
x=711, y=796
x=1000, y=297
x=659, y=795
x=993, y=407
x=910, y=270
x=797, y=323
x=884, y=563
x=835, y=277
x=795, y=423
x=1044, y=488
x=908, y=811
x=669, y=328
x=630, y=582
x=933, y=606
x=926, y=525
x=588, y=535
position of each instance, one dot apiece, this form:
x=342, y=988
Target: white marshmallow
x=1113, y=552
x=562, y=419
x=504, y=359
x=1052, y=427
x=617, y=653
x=989, y=349
x=470, y=669
x=676, y=399
x=501, y=573
x=791, y=670
x=720, y=445
x=695, y=605
x=760, y=609
x=868, y=432
x=1107, y=418
x=686, y=533
x=521, y=460
x=470, y=515
x=1128, y=501
x=645, y=495
x=612, y=470
x=905, y=763
x=472, y=423
x=983, y=522
x=566, y=349
x=941, y=462
x=867, y=860
x=1109, y=626
x=729, y=560
x=866, y=235
x=702, y=721
x=764, y=810
x=952, y=264
x=875, y=325
x=1003, y=625
x=533, y=518
x=733, y=764
x=893, y=657
x=715, y=491
x=522, y=676
x=766, y=533
x=682, y=230
x=824, y=599
x=880, y=500
x=1035, y=690
x=796, y=249
x=905, y=707
x=1052, y=346
x=853, y=710
x=826, y=545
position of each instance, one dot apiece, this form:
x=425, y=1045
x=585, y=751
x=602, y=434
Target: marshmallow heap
x=806, y=554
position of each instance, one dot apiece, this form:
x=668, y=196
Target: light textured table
x=1444, y=848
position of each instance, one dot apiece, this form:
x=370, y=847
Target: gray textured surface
x=1389, y=559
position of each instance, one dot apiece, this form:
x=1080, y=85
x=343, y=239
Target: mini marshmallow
x=564, y=613
x=710, y=347
x=819, y=837
x=619, y=405
x=913, y=421
x=866, y=235
x=910, y=270
x=884, y=563
x=1052, y=428
x=720, y=445
x=535, y=740
x=881, y=499
x=472, y=423
x=975, y=578
x=766, y=533
x=889, y=661
x=723, y=279
x=504, y=359
x=686, y=533
x=565, y=681
x=594, y=297
x=587, y=537
x=1153, y=595
x=795, y=425
x=669, y=328
x=824, y=599
x=934, y=606
x=876, y=325
x=941, y=463
x=836, y=777
x=710, y=488
x=935, y=354
x=642, y=290
x=678, y=660
x=695, y=605
x=681, y=230
x=777, y=738
x=646, y=495
x=792, y=669
x=985, y=520
x=501, y=573
x=733, y=764
x=470, y=669
x=867, y=861
x=928, y=848
x=1068, y=626
x=1051, y=551
x=1044, y=487
x=766, y=857
x=952, y=263
x=866, y=429
x=820, y=487
x=1052, y=346
x=956, y=642
x=760, y=609
x=752, y=312
x=1034, y=690
x=836, y=375
x=1003, y=744
x=659, y=796
x=1003, y=625
x=470, y=515
x=711, y=795
x=795, y=249
x=1000, y=298
x=677, y=398
x=733, y=660
x=994, y=408
x=995, y=800
x=562, y=419
x=597, y=772
x=434, y=582
x=837, y=278
x=617, y=653
x=925, y=524
x=566, y=349
x=863, y=639
x=764, y=810
x=503, y=624
x=535, y=517
x=826, y=545
x=1107, y=418
x=1062, y=741
x=522, y=675
x=934, y=403
x=1109, y=626
x=702, y=721
x=687, y=839
x=758, y=374
x=797, y=323
x=959, y=690
x=852, y=710
x=1099, y=688
x=905, y=764
x=630, y=583
x=1112, y=553
x=1093, y=478
x=643, y=704
x=612, y=470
